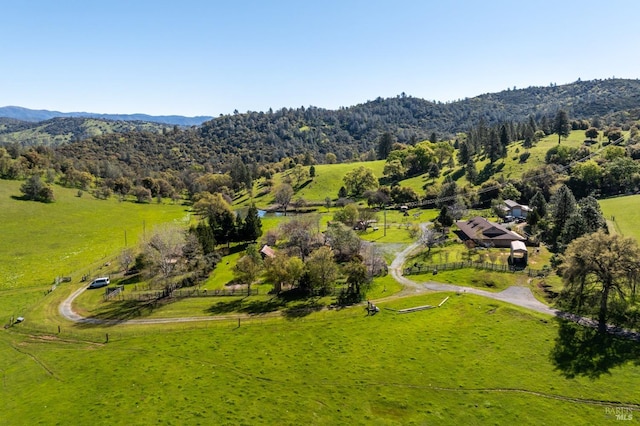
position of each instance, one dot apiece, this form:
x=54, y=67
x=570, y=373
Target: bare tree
x=429, y=238
x=164, y=248
x=283, y=196
x=126, y=259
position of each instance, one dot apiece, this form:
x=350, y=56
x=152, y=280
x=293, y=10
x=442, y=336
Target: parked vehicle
x=100, y=282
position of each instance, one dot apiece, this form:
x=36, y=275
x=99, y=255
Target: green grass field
x=473, y=361
x=70, y=236
x=328, y=179
x=626, y=212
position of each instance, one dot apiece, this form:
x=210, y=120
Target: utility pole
x=384, y=208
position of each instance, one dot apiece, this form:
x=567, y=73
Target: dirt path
x=515, y=295
x=520, y=296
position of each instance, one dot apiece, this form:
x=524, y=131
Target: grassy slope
x=42, y=241
x=626, y=211
x=328, y=178
x=444, y=366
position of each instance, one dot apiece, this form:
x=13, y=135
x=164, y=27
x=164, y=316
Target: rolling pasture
x=624, y=214
x=70, y=237
x=472, y=361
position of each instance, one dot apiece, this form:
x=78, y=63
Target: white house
x=516, y=210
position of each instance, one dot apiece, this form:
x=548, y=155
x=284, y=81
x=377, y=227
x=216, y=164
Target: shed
x=519, y=253
x=267, y=251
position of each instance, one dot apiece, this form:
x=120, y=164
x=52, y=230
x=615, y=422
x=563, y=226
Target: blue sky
x=193, y=57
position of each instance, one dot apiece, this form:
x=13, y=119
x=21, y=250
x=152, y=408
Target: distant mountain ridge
x=348, y=132
x=36, y=115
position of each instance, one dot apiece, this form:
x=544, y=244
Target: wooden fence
x=183, y=293
x=422, y=269
x=110, y=293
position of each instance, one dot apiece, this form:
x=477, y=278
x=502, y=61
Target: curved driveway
x=516, y=295
x=520, y=296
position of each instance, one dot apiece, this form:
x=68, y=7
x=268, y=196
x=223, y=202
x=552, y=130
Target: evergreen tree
x=35, y=189
x=384, y=145
x=504, y=139
x=563, y=207
x=561, y=125
x=238, y=229
x=223, y=226
x=538, y=204
x=240, y=175
x=463, y=153
x=205, y=237
x=529, y=135
x=444, y=217
x=494, y=149
x=575, y=227
x=590, y=211
x=532, y=124
x=252, y=225
x=471, y=171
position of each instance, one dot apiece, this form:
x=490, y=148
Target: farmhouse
x=486, y=233
x=515, y=209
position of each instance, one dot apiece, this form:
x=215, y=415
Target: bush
x=524, y=156
x=34, y=189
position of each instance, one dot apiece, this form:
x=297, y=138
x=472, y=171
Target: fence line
x=420, y=269
x=111, y=293
x=183, y=293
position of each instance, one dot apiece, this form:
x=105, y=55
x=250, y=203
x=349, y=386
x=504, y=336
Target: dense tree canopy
x=600, y=272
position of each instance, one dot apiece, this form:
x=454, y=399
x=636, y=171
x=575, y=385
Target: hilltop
x=270, y=136
x=266, y=137
x=57, y=131
x=33, y=115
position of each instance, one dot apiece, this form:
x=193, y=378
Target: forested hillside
x=57, y=131
x=348, y=133
x=315, y=135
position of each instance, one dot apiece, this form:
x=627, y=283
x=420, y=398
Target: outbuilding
x=519, y=253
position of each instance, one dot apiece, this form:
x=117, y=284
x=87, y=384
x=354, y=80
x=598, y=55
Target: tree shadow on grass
x=252, y=307
x=582, y=351
x=225, y=307
x=258, y=307
x=302, y=309
x=122, y=310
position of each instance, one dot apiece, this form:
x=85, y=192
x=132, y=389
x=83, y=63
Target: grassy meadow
x=70, y=237
x=328, y=178
x=472, y=361
x=626, y=212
